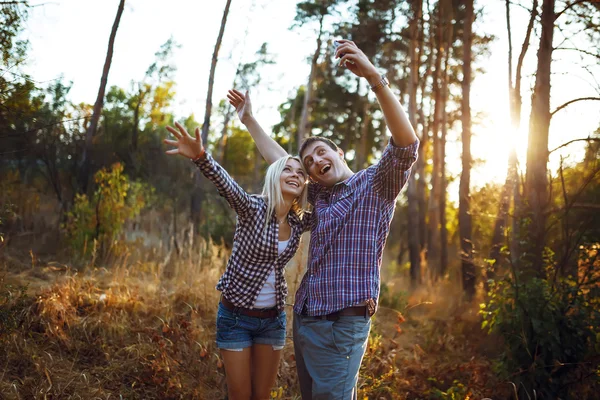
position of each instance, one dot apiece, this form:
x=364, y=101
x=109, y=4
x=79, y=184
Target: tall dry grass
x=142, y=327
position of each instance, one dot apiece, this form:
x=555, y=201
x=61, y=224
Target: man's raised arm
x=396, y=119
x=267, y=146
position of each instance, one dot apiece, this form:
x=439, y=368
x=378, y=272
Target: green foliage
x=458, y=391
x=115, y=201
x=397, y=300
x=550, y=328
x=12, y=18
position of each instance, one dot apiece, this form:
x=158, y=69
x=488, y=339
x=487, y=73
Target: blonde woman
x=251, y=319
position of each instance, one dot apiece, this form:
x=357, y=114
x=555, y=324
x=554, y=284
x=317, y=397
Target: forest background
x=109, y=249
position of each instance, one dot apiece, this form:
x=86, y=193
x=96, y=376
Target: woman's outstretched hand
x=242, y=104
x=356, y=61
x=185, y=145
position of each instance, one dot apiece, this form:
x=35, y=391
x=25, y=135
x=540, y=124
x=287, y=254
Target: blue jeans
x=237, y=332
x=328, y=355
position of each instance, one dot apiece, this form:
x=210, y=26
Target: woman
x=251, y=319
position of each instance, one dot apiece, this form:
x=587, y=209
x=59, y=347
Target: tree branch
x=525, y=46
x=589, y=53
x=571, y=102
x=589, y=139
x=569, y=6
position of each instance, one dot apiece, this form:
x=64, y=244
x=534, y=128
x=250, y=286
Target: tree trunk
x=536, y=180
x=412, y=194
x=362, y=150
x=196, y=196
x=211, y=76
x=220, y=152
x=511, y=185
x=464, y=216
x=84, y=170
x=433, y=242
x=304, y=126
x=448, y=12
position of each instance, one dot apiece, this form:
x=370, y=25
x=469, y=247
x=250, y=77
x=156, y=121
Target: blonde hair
x=272, y=189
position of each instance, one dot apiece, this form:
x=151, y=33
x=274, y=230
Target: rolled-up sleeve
x=241, y=202
x=391, y=173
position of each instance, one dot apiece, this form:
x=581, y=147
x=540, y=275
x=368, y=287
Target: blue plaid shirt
x=352, y=222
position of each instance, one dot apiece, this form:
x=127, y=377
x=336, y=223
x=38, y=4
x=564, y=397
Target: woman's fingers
x=170, y=142
x=182, y=130
x=237, y=92
x=198, y=137
x=174, y=132
x=174, y=151
x=233, y=100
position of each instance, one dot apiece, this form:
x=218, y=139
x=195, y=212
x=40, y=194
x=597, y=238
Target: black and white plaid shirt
x=254, y=252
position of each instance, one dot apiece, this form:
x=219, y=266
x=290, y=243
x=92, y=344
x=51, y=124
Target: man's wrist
x=249, y=120
x=373, y=78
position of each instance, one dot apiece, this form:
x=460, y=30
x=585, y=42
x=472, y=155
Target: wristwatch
x=382, y=82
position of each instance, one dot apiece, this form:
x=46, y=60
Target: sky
x=69, y=38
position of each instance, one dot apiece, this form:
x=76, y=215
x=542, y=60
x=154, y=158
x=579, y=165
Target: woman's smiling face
x=293, y=178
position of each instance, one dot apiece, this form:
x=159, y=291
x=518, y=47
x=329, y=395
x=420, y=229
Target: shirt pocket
x=341, y=204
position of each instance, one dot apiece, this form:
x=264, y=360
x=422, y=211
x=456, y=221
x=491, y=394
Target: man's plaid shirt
x=254, y=252
x=352, y=222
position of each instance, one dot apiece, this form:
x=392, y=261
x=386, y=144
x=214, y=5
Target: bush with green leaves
x=101, y=219
x=551, y=329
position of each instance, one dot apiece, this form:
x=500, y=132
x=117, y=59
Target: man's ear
x=341, y=153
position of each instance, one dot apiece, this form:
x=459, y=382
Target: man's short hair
x=313, y=139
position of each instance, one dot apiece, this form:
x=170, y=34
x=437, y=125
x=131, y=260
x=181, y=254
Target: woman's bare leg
x=238, y=366
x=265, y=364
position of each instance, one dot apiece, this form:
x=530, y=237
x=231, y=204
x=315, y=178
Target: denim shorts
x=236, y=332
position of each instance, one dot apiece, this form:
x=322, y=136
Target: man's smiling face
x=324, y=165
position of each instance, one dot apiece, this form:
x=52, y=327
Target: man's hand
x=242, y=104
x=356, y=61
x=185, y=145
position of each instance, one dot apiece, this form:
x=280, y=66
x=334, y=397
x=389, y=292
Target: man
x=339, y=292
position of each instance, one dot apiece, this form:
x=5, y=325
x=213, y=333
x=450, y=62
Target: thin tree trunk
x=464, y=216
x=361, y=149
x=292, y=121
x=84, y=170
x=419, y=168
x=433, y=242
x=211, y=76
x=196, y=196
x=448, y=12
x=136, y=120
x=536, y=179
x=412, y=194
x=220, y=153
x=511, y=185
x=304, y=126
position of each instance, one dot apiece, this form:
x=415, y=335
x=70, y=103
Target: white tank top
x=266, y=297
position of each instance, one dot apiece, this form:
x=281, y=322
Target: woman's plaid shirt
x=254, y=252
x=352, y=222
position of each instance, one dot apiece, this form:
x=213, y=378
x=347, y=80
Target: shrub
x=101, y=220
x=550, y=328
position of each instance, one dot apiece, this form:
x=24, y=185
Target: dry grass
x=144, y=328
